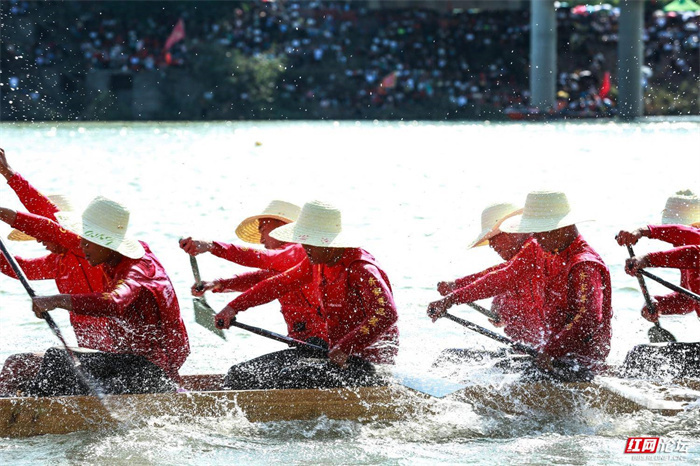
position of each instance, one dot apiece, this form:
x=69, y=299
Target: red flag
x=388, y=82
x=177, y=35
x=605, y=85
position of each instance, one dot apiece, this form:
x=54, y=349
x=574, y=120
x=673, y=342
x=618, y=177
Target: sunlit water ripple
x=413, y=193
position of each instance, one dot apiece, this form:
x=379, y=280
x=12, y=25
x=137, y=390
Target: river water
x=413, y=193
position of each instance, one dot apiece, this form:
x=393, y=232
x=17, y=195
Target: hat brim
x=248, y=230
x=16, y=235
x=293, y=233
x=487, y=234
x=520, y=224
x=125, y=246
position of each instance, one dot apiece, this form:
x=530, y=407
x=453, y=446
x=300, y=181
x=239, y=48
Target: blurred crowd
x=342, y=54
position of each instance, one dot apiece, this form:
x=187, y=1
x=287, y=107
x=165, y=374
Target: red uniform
x=518, y=286
x=355, y=300
x=70, y=270
x=299, y=311
x=140, y=299
x=577, y=305
x=677, y=235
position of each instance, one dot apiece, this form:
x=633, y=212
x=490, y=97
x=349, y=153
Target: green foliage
x=671, y=99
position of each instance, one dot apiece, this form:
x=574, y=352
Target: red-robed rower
x=66, y=264
x=299, y=312
x=506, y=306
x=353, y=291
x=680, y=226
x=138, y=295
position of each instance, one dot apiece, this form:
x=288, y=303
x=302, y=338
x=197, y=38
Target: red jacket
x=140, y=299
x=677, y=235
x=577, y=305
x=299, y=311
x=71, y=271
x=518, y=287
x=354, y=296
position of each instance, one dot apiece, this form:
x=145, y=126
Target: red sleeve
x=33, y=200
x=115, y=300
x=379, y=308
x=41, y=268
x=464, y=281
x=677, y=235
x=271, y=259
x=684, y=257
x=503, y=278
x=45, y=229
x=274, y=287
x=243, y=281
x=576, y=325
x=675, y=303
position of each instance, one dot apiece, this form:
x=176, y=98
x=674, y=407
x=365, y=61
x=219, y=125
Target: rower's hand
x=497, y=323
x=630, y=238
x=42, y=304
x=437, y=309
x=634, y=264
x=445, y=288
x=198, y=289
x=337, y=356
x=5, y=169
x=223, y=319
x=194, y=247
x=648, y=314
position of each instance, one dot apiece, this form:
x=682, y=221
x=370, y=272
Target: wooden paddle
x=657, y=334
x=564, y=370
x=487, y=312
x=82, y=376
x=670, y=285
x=203, y=313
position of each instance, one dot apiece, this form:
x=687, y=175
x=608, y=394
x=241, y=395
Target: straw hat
x=491, y=219
x=544, y=211
x=104, y=222
x=319, y=224
x=683, y=208
x=279, y=210
x=61, y=202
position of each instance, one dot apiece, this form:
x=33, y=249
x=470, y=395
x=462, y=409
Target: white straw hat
x=319, y=224
x=683, y=208
x=104, y=222
x=491, y=219
x=279, y=210
x=544, y=211
x=62, y=203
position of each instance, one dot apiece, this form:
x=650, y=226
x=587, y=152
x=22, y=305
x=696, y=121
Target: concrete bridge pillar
x=630, y=53
x=543, y=54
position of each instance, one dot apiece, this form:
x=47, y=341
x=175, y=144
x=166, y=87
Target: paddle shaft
x=49, y=320
x=643, y=286
x=277, y=337
x=493, y=335
x=488, y=313
x=670, y=285
x=195, y=272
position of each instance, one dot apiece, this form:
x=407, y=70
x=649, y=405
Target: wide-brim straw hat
x=319, y=224
x=104, y=222
x=62, y=203
x=491, y=219
x=543, y=211
x=683, y=208
x=278, y=210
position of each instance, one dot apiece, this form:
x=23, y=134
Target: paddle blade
x=430, y=385
x=204, y=316
x=657, y=334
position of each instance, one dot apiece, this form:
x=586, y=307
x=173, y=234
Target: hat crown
x=106, y=220
x=61, y=202
x=319, y=216
x=682, y=208
x=283, y=209
x=546, y=204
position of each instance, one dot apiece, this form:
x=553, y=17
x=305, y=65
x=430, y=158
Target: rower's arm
x=379, y=308
x=677, y=235
x=242, y=281
x=45, y=229
x=40, y=268
x=269, y=259
x=575, y=326
x=113, y=302
x=464, y=281
x=684, y=257
x=31, y=198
